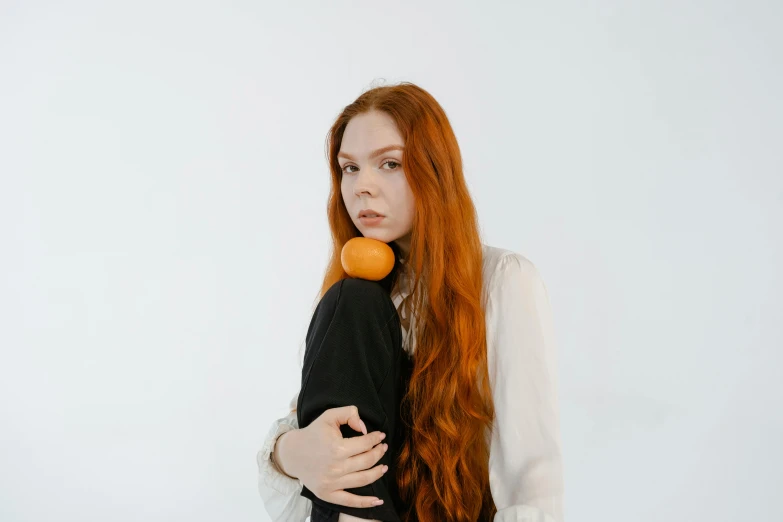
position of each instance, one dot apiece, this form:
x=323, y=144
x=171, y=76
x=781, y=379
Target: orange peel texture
x=367, y=258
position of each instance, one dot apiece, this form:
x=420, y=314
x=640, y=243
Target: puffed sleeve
x=525, y=464
x=280, y=493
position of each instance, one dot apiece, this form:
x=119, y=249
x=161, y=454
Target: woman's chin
x=376, y=234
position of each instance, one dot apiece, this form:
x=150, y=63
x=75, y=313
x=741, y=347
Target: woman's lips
x=371, y=221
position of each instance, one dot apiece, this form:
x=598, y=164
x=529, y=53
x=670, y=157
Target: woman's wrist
x=280, y=453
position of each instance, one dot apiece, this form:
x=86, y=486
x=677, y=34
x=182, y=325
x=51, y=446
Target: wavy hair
x=442, y=468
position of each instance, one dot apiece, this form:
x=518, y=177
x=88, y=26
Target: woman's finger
x=346, y=415
x=356, y=445
x=365, y=460
x=361, y=478
x=344, y=498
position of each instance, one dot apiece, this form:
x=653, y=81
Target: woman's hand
x=327, y=463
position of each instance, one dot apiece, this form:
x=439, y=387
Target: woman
x=451, y=356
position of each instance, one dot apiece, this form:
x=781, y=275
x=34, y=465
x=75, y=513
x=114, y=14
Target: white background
x=163, y=190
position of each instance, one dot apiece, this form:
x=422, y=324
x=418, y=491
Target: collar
x=401, y=298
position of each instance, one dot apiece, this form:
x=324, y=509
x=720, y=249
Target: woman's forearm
x=282, y=451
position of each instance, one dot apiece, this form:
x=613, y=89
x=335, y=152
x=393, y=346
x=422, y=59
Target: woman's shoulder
x=497, y=261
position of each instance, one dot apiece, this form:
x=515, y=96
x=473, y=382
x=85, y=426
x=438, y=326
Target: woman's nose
x=364, y=184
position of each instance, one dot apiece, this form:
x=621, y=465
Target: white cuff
x=269, y=475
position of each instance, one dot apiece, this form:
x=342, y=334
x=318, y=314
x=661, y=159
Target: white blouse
x=525, y=461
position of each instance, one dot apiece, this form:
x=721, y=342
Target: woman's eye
x=392, y=162
x=394, y=165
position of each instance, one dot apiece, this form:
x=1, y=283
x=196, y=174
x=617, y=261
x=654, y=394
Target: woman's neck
x=404, y=244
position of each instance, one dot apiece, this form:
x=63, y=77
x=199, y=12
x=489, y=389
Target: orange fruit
x=367, y=258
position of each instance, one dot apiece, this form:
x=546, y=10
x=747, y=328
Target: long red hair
x=442, y=469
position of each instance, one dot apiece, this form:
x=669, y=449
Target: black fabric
x=354, y=356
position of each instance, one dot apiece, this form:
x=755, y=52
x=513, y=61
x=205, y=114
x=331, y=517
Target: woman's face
x=373, y=178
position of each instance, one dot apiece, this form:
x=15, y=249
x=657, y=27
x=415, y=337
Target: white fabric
x=525, y=462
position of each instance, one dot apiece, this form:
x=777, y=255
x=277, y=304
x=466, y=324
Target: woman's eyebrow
x=374, y=153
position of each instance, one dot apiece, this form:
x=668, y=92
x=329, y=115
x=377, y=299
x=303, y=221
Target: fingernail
x=383, y=436
x=385, y=468
x=377, y=502
x=385, y=447
x=364, y=428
